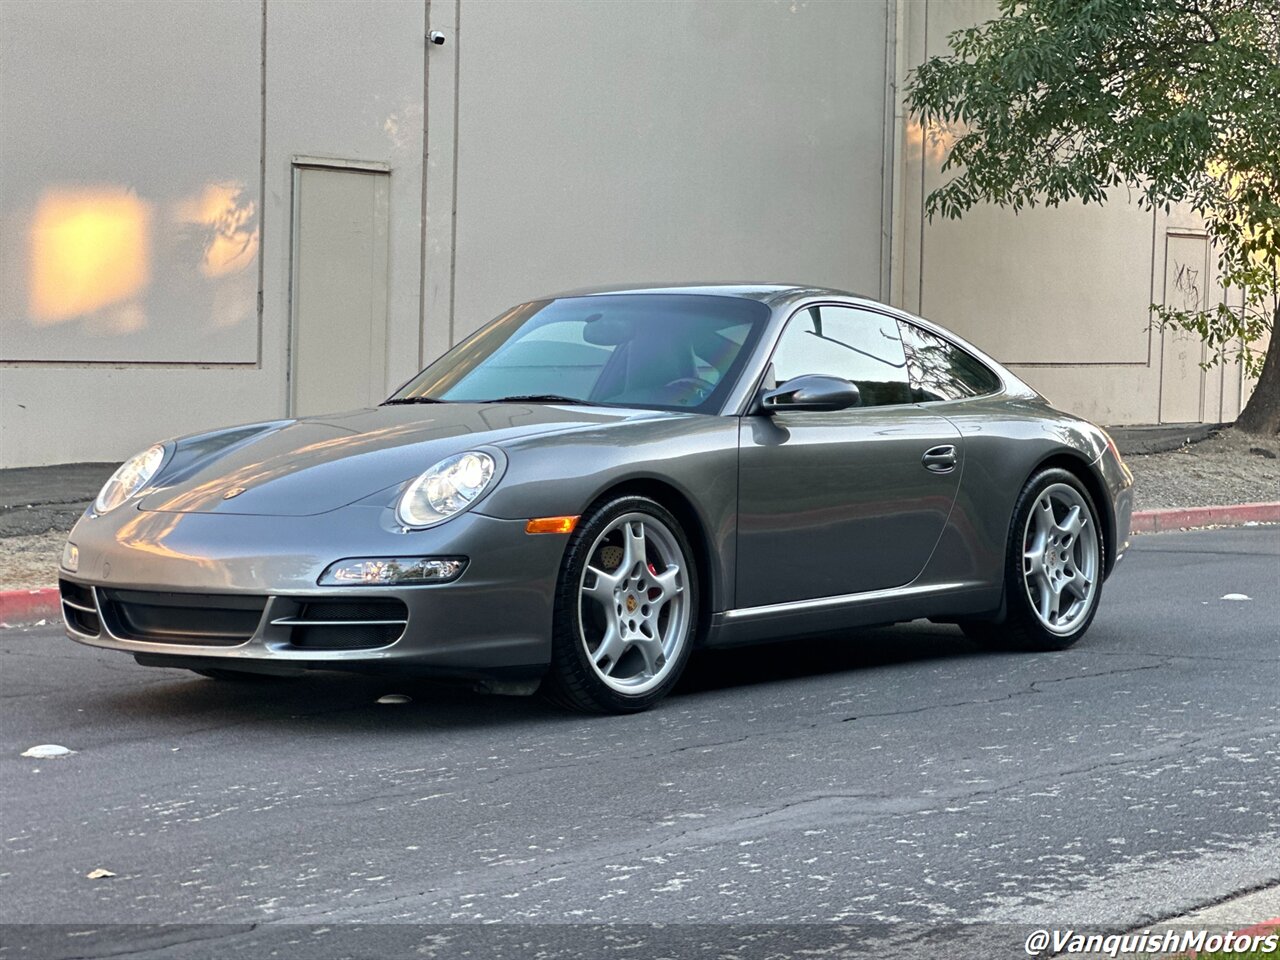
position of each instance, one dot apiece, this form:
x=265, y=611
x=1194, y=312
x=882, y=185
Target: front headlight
x=134, y=474
x=449, y=487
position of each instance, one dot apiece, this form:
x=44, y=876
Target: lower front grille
x=208, y=619
x=346, y=624
x=79, y=609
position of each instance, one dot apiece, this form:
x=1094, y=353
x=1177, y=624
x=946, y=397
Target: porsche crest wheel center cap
x=631, y=603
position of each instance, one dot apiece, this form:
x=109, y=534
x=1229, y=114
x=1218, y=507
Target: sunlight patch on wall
x=231, y=235
x=90, y=250
x=932, y=142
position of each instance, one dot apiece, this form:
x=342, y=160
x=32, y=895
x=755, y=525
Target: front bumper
x=1118, y=481
x=493, y=621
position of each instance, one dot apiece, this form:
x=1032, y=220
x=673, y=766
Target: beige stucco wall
x=187, y=93
x=547, y=144
x=1061, y=295
x=564, y=143
x=631, y=142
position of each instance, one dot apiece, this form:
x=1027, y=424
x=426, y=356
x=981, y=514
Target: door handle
x=940, y=459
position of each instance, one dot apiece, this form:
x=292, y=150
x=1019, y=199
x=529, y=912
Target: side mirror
x=811, y=392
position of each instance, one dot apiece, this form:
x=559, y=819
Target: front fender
x=696, y=455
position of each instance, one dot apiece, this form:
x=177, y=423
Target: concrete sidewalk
x=1146, y=439
x=39, y=499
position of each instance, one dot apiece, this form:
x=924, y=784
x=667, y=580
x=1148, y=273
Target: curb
x=1257, y=930
x=25, y=606
x=1181, y=518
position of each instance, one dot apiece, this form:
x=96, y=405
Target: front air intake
x=361, y=624
x=79, y=608
x=203, y=619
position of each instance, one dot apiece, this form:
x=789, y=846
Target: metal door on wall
x=338, y=289
x=1186, y=287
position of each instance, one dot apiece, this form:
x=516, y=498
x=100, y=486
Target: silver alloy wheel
x=634, y=614
x=1060, y=558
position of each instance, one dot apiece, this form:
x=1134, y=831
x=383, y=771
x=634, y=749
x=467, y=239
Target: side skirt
x=872, y=608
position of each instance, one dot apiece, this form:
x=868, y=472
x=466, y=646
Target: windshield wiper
x=386, y=403
x=538, y=398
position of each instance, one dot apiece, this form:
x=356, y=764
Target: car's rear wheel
x=626, y=609
x=1054, y=564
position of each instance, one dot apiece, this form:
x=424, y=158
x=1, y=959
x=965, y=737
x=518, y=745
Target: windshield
x=665, y=351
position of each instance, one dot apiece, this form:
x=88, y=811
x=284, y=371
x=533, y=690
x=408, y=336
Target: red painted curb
x=1257, y=930
x=22, y=606
x=1155, y=521
x=1266, y=926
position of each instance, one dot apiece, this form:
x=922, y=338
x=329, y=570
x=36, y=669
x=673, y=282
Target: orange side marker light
x=551, y=525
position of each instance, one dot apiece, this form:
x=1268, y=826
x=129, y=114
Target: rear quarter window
x=940, y=370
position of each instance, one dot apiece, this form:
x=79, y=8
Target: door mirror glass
x=812, y=392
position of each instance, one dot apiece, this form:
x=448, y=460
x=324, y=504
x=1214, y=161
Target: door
x=834, y=503
x=1186, y=287
x=339, y=289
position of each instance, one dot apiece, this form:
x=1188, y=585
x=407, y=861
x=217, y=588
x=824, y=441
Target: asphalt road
x=895, y=782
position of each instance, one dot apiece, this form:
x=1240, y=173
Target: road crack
x=1032, y=688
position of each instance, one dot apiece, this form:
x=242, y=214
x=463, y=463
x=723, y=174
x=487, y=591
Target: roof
x=770, y=293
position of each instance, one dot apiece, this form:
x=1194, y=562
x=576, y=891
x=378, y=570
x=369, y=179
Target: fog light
x=70, y=557
x=392, y=570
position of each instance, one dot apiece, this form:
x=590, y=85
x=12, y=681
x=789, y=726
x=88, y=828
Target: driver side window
x=855, y=345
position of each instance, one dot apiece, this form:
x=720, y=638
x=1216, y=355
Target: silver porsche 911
x=595, y=484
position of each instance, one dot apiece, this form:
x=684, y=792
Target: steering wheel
x=699, y=389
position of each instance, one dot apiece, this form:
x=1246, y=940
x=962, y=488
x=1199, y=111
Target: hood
x=317, y=464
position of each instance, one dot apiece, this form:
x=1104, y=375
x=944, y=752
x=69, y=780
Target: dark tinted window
x=668, y=351
x=942, y=371
x=855, y=345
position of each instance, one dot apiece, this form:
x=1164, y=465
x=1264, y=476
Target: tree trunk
x=1262, y=413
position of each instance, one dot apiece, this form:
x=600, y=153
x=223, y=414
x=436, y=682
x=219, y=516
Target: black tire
x=572, y=680
x=1021, y=627
x=237, y=676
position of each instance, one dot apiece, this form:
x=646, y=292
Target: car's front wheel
x=1054, y=567
x=626, y=608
